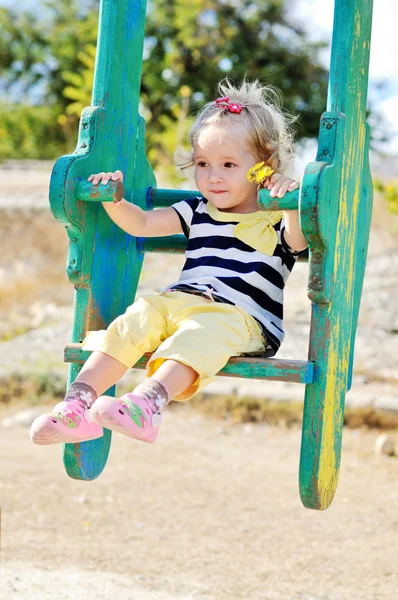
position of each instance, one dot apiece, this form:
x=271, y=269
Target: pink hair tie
x=225, y=104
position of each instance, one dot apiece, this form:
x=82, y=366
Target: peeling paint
x=333, y=323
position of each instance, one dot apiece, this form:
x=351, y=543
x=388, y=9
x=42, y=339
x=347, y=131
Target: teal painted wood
x=337, y=191
x=87, y=460
x=290, y=201
x=158, y=198
x=362, y=242
x=319, y=206
x=253, y=368
x=86, y=192
x=111, y=136
x=270, y=368
x=175, y=244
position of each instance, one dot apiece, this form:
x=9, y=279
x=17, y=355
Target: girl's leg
x=70, y=421
x=175, y=377
x=101, y=372
x=138, y=415
x=141, y=329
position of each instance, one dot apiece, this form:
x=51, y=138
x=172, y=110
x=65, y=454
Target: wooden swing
x=335, y=204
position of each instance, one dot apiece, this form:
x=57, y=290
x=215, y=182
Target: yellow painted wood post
x=338, y=188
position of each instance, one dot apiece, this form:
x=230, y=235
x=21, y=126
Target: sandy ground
x=207, y=512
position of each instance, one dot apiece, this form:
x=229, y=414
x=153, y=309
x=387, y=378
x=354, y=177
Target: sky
x=317, y=17
x=383, y=53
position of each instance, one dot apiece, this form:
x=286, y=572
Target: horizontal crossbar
x=175, y=244
x=157, y=198
x=297, y=371
x=161, y=198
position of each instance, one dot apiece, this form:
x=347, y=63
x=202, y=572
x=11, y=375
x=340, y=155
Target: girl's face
x=222, y=158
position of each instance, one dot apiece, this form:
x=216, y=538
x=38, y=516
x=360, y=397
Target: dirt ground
x=208, y=512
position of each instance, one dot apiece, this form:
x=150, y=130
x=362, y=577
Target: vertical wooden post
x=344, y=199
x=103, y=262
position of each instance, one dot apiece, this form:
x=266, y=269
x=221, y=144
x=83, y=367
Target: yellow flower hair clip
x=259, y=173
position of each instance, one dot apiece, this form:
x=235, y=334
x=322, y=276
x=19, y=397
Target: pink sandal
x=69, y=422
x=130, y=415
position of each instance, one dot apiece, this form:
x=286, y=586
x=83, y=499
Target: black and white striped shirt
x=219, y=263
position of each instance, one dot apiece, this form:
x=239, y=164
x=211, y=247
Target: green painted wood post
x=103, y=261
x=364, y=216
x=336, y=202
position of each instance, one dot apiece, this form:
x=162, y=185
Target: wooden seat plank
x=296, y=371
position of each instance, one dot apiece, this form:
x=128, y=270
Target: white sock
x=83, y=392
x=153, y=390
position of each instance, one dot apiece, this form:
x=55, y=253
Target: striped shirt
x=230, y=270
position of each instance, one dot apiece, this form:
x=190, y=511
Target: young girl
x=228, y=300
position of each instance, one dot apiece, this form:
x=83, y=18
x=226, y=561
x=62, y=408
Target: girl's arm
x=134, y=220
x=294, y=237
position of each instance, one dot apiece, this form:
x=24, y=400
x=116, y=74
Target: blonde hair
x=266, y=126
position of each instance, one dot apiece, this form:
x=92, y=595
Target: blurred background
x=47, y=54
x=223, y=495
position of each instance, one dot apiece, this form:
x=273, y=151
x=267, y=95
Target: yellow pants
x=193, y=330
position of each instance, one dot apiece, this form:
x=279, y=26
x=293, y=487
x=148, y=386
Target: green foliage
x=38, y=48
x=30, y=132
x=234, y=409
x=39, y=54
x=196, y=44
x=390, y=193
x=48, y=57
x=32, y=388
x=80, y=85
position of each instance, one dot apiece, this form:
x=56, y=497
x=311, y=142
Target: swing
x=335, y=204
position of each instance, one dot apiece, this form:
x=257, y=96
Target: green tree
x=30, y=132
x=189, y=45
x=390, y=193
x=40, y=53
x=37, y=48
x=198, y=43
